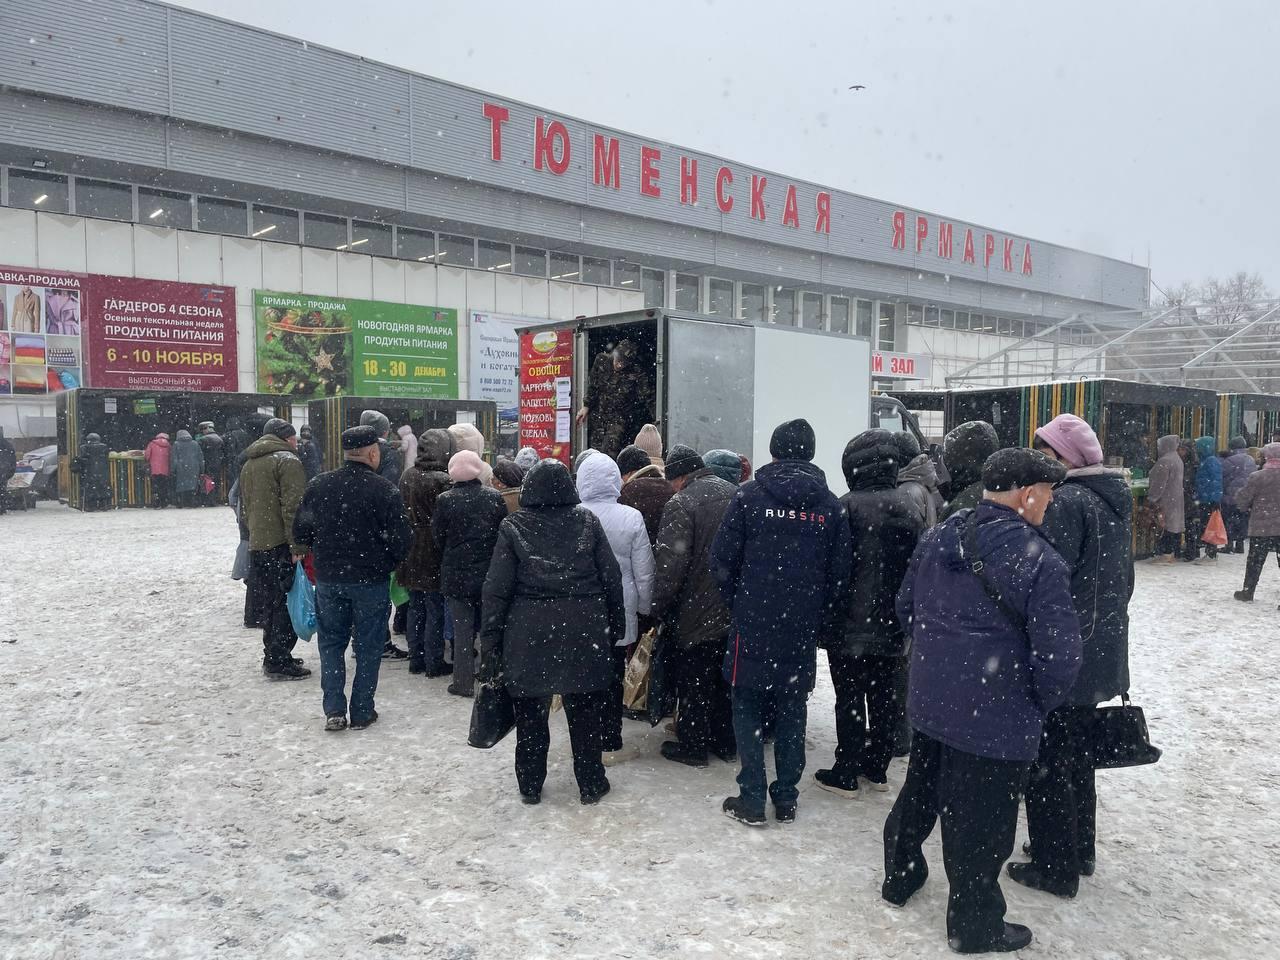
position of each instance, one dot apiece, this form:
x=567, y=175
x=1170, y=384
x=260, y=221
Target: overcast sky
x=1131, y=129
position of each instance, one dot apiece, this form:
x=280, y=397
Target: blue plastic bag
x=302, y=604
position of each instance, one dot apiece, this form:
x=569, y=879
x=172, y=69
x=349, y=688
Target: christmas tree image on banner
x=304, y=346
x=326, y=346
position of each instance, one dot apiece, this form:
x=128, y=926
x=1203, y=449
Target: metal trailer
x=127, y=420
x=1255, y=416
x=329, y=416
x=721, y=383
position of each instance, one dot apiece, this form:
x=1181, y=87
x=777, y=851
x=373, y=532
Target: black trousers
x=977, y=800
x=1061, y=797
x=1259, y=547
x=613, y=705
x=271, y=576
x=161, y=489
x=706, y=701
x=866, y=689
x=585, y=713
x=1168, y=544
x=1198, y=515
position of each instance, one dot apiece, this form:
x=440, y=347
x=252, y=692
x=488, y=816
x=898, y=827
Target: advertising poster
x=161, y=335
x=493, y=369
x=546, y=393
x=324, y=346
x=60, y=330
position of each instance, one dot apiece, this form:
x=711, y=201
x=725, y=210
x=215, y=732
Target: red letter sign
x=823, y=224
x=757, y=196
x=648, y=172
x=724, y=177
x=1026, y=259
x=1008, y=255
x=968, y=246
x=989, y=250
x=607, y=162
x=944, y=240
x=791, y=209
x=922, y=231
x=544, y=146
x=688, y=180
x=899, y=230
x=497, y=117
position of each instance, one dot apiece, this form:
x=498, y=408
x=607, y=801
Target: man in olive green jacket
x=271, y=486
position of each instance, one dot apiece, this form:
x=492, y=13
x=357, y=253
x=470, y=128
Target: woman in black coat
x=552, y=612
x=464, y=525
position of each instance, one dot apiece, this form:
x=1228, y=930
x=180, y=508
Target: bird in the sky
x=858, y=86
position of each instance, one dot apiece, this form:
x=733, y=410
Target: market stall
x=127, y=420
x=1255, y=416
x=1128, y=418
x=329, y=416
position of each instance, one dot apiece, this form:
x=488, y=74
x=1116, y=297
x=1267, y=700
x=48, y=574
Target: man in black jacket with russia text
x=781, y=558
x=354, y=521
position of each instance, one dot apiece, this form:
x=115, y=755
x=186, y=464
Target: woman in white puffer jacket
x=599, y=485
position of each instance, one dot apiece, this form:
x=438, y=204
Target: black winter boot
x=1245, y=595
x=1015, y=937
x=1030, y=875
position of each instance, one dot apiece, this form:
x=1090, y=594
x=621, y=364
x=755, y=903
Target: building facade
x=155, y=142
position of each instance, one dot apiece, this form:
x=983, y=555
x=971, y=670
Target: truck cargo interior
x=644, y=334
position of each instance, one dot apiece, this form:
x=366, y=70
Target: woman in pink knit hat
x=1090, y=524
x=464, y=526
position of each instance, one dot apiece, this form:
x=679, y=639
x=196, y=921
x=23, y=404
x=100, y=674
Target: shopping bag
x=635, y=683
x=1119, y=737
x=399, y=595
x=302, y=604
x=240, y=569
x=492, y=715
x=660, y=699
x=206, y=484
x=1215, y=531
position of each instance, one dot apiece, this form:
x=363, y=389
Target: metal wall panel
x=199, y=258
x=214, y=153
x=60, y=242
x=226, y=75
x=355, y=276
x=709, y=369
x=420, y=284
x=480, y=291
x=388, y=280
x=109, y=247
x=507, y=297
x=156, y=248
x=319, y=272
x=110, y=52
x=36, y=123
x=281, y=267
x=560, y=301
x=17, y=237
x=242, y=266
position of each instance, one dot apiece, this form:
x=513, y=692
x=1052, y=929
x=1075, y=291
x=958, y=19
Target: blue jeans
x=355, y=612
x=426, y=627
x=791, y=707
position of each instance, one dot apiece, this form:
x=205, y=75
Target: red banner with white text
x=546, y=393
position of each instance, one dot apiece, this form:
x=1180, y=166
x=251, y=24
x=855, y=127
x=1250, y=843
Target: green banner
x=325, y=346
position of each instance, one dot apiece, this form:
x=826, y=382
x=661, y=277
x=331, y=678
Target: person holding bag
x=1090, y=524
x=1260, y=499
x=552, y=609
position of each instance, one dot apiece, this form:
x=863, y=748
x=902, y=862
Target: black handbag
x=492, y=715
x=1119, y=738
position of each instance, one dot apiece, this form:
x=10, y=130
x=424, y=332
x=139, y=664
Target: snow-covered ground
x=159, y=798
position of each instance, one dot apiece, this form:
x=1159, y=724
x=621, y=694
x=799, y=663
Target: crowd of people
x=1192, y=482
x=973, y=626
